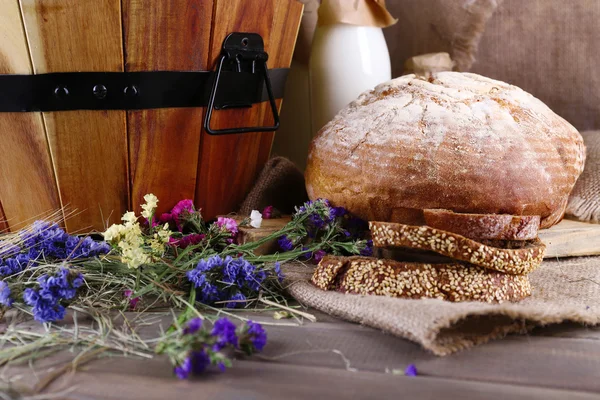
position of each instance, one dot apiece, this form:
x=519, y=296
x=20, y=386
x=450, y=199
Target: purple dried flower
x=192, y=326
x=278, y=273
x=200, y=360
x=51, y=241
x=238, y=299
x=45, y=301
x=411, y=370
x=224, y=330
x=308, y=254
x=183, y=370
x=318, y=255
x=8, y=249
x=258, y=336
x=368, y=250
x=337, y=212
x=5, y=298
x=317, y=221
x=223, y=279
x=285, y=243
x=221, y=366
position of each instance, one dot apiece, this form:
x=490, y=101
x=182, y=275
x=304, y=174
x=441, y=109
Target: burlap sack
x=546, y=47
x=584, y=202
x=565, y=290
x=432, y=26
x=550, y=49
x=280, y=184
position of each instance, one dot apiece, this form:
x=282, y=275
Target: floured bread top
x=457, y=141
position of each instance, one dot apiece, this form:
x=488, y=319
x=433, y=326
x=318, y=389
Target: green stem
x=137, y=279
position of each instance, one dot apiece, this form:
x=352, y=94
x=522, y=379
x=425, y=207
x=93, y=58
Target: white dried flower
x=255, y=219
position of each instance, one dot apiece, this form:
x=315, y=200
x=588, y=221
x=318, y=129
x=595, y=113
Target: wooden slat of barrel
x=27, y=183
x=281, y=46
x=3, y=223
x=229, y=164
x=89, y=148
x=164, y=143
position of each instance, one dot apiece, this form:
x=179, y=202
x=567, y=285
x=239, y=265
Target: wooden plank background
x=27, y=182
x=164, y=144
x=89, y=148
x=229, y=164
x=334, y=359
x=571, y=238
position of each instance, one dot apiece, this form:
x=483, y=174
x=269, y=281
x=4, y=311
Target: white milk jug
x=345, y=61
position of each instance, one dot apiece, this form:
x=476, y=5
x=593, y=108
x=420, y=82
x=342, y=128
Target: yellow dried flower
x=113, y=232
x=151, y=204
x=133, y=255
x=129, y=218
x=135, y=248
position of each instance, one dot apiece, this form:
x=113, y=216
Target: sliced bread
x=511, y=261
x=485, y=226
x=452, y=282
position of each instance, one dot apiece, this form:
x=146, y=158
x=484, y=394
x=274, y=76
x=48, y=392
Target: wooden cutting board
x=567, y=239
x=571, y=238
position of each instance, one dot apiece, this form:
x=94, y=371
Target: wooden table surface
x=334, y=359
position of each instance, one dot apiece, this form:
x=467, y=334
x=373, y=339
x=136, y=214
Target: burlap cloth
x=584, y=203
x=563, y=290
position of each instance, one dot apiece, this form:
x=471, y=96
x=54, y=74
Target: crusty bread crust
x=485, y=226
x=511, y=261
x=452, y=282
x=455, y=141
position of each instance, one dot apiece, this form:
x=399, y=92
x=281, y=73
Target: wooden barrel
x=101, y=163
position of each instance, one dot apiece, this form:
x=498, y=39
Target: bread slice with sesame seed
x=452, y=282
x=514, y=261
x=485, y=226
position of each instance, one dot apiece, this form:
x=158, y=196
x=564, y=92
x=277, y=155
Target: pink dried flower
x=132, y=301
x=166, y=218
x=228, y=224
x=187, y=240
x=267, y=213
x=182, y=207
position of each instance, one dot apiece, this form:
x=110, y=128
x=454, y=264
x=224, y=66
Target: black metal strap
x=242, y=50
x=134, y=90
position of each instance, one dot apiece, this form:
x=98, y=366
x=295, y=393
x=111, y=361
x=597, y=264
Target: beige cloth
x=565, y=290
x=584, y=202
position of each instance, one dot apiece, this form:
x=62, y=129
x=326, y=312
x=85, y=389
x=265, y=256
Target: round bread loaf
x=454, y=141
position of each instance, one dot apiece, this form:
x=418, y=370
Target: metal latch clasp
x=242, y=52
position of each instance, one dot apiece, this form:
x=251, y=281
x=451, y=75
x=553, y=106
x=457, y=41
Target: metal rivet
x=61, y=91
x=130, y=91
x=100, y=91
